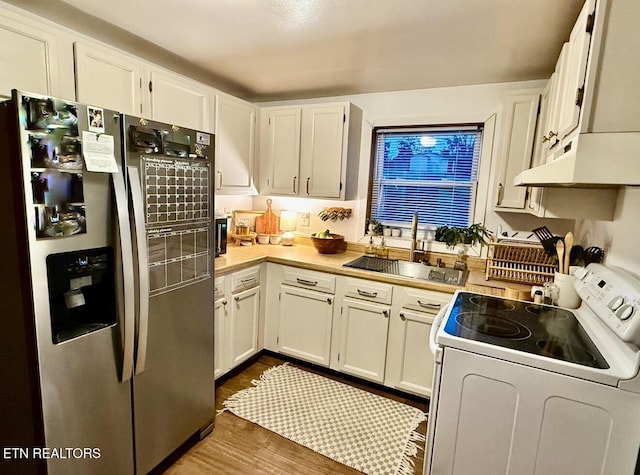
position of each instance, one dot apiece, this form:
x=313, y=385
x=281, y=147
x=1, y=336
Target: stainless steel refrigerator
x=107, y=338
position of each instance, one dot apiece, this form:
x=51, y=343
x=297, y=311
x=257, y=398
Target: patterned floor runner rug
x=364, y=431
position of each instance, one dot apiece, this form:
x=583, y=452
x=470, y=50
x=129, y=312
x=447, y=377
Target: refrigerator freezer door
x=84, y=403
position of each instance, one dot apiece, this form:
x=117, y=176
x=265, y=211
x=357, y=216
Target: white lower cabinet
x=305, y=314
x=409, y=360
x=305, y=324
x=220, y=317
x=236, y=319
x=362, y=324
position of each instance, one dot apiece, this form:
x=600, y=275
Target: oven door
x=437, y=374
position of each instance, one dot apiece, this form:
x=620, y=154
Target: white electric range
x=522, y=388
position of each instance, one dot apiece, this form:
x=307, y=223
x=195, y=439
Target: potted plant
x=453, y=236
x=375, y=227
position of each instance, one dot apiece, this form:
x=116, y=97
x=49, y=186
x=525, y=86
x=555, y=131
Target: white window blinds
x=433, y=171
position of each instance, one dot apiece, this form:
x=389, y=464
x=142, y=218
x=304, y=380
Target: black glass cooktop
x=523, y=326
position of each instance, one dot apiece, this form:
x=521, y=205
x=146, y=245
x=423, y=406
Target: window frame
x=475, y=186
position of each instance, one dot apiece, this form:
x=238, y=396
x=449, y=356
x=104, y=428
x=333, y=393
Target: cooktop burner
x=538, y=329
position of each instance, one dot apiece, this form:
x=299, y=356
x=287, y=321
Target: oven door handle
x=437, y=321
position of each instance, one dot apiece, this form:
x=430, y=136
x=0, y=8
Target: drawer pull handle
x=429, y=305
x=364, y=293
x=312, y=283
x=248, y=281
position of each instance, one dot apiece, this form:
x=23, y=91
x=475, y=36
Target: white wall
x=418, y=107
x=619, y=238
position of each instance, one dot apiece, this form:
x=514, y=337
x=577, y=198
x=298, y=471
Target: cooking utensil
x=560, y=253
x=576, y=256
x=547, y=240
x=593, y=254
x=568, y=245
x=268, y=223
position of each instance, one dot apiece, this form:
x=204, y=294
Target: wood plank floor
x=237, y=446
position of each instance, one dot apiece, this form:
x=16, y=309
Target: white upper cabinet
x=520, y=111
x=281, y=146
x=28, y=58
x=113, y=79
x=572, y=88
x=323, y=148
x=235, y=144
x=311, y=150
x=108, y=78
x=177, y=100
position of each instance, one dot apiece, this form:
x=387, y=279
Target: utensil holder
x=568, y=296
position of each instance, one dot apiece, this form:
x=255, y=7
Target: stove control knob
x=615, y=302
x=624, y=312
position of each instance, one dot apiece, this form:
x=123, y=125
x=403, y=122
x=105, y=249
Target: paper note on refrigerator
x=99, y=152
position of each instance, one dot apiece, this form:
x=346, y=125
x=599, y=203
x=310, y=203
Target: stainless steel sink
x=414, y=270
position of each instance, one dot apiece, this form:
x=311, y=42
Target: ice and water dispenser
x=82, y=294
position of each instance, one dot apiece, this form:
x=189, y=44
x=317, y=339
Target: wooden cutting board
x=268, y=223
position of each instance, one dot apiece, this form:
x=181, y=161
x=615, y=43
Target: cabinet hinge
x=269, y=120
x=140, y=83
x=341, y=309
x=591, y=19
x=340, y=186
x=579, y=96
x=344, y=118
x=338, y=356
x=277, y=340
x=150, y=86
x=279, y=296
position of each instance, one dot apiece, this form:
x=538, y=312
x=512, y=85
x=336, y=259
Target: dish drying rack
x=522, y=263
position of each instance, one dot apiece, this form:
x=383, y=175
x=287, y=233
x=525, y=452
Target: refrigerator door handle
x=128, y=322
x=143, y=267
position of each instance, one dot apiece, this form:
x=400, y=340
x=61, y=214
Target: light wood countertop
x=306, y=257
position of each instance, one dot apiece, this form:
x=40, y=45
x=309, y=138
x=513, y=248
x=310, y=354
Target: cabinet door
x=219, y=338
x=177, y=100
x=235, y=140
x=573, y=88
x=322, y=151
x=305, y=324
x=409, y=360
x=519, y=127
x=28, y=59
x=108, y=78
x=243, y=328
x=282, y=134
x=363, y=339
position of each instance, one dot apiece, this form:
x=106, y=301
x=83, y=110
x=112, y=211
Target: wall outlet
x=304, y=219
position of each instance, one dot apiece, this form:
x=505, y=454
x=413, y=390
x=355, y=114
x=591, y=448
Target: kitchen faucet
x=414, y=234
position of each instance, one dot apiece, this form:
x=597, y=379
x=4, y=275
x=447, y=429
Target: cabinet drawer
x=424, y=300
x=218, y=287
x=245, y=279
x=368, y=290
x=310, y=279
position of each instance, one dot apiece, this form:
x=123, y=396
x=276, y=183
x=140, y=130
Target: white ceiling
x=280, y=49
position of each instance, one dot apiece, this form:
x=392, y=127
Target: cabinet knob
x=224, y=302
x=236, y=298
x=385, y=313
x=329, y=300
x=402, y=316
